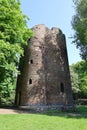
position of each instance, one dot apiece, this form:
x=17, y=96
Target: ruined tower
x=45, y=77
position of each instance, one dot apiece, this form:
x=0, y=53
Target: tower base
x=42, y=108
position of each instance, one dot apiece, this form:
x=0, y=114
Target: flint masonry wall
x=45, y=77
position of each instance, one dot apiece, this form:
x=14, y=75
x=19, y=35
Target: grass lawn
x=52, y=120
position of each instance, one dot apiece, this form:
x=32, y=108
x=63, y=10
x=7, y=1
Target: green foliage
x=79, y=24
x=80, y=69
x=14, y=35
x=74, y=82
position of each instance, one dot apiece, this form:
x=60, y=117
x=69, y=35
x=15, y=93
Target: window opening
x=30, y=81
x=62, y=87
x=31, y=61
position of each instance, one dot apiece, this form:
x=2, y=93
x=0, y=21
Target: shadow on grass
x=68, y=114
x=80, y=112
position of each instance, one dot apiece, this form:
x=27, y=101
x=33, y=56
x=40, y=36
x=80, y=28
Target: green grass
x=51, y=120
x=82, y=109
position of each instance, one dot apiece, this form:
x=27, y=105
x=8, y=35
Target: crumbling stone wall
x=45, y=77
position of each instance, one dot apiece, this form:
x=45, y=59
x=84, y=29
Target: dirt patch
x=10, y=111
x=15, y=110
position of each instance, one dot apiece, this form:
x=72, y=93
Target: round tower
x=45, y=77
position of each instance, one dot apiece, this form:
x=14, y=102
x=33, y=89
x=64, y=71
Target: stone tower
x=45, y=77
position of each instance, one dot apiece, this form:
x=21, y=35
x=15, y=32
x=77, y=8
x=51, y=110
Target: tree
x=74, y=82
x=79, y=24
x=80, y=68
x=14, y=35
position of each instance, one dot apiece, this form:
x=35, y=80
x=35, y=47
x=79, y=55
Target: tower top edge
x=53, y=29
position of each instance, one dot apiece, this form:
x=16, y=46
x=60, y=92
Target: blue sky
x=53, y=13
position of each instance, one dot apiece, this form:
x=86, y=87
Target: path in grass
x=10, y=111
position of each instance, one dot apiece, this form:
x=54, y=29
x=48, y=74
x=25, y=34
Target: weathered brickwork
x=45, y=77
